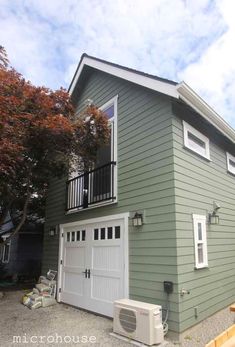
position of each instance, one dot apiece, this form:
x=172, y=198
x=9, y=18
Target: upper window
x=200, y=242
x=196, y=141
x=6, y=252
x=230, y=163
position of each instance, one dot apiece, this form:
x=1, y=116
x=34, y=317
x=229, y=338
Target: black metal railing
x=91, y=187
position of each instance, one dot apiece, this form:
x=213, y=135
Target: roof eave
x=191, y=98
x=178, y=91
x=148, y=82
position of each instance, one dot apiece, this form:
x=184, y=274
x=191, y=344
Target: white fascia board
x=179, y=91
x=191, y=98
x=148, y=82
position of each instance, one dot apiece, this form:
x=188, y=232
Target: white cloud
x=180, y=39
x=213, y=74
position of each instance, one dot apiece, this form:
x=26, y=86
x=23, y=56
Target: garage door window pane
x=83, y=235
x=68, y=236
x=78, y=235
x=73, y=235
x=102, y=234
x=96, y=234
x=117, y=232
x=110, y=233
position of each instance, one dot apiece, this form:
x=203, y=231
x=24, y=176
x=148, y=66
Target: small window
x=102, y=233
x=68, y=236
x=109, y=111
x=196, y=141
x=73, y=236
x=96, y=234
x=110, y=233
x=117, y=232
x=6, y=252
x=230, y=163
x=200, y=242
x=78, y=235
x=83, y=235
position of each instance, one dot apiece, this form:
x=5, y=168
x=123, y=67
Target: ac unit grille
x=127, y=320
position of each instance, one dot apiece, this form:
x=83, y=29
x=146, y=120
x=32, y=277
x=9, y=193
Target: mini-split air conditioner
x=139, y=321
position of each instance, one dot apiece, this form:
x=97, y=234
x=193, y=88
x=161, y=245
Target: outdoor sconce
x=52, y=231
x=137, y=220
x=213, y=217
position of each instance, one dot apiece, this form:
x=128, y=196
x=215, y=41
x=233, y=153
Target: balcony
x=92, y=187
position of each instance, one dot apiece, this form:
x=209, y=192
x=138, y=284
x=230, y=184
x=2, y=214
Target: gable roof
x=180, y=91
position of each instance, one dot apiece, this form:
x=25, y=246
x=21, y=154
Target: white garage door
x=92, y=269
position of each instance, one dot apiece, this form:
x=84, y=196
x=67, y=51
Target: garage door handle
x=85, y=272
x=89, y=273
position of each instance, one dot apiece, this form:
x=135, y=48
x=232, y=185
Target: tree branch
x=23, y=218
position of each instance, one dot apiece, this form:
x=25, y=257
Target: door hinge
x=59, y=290
x=61, y=262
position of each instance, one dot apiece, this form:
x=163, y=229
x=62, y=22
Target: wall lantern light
x=53, y=231
x=137, y=220
x=213, y=217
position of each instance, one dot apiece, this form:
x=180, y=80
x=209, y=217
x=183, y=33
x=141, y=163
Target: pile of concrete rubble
x=43, y=294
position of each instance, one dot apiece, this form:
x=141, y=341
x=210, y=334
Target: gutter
x=191, y=98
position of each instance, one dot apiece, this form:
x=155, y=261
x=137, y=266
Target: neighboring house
x=20, y=257
x=171, y=159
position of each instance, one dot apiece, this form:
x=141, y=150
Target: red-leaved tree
x=38, y=133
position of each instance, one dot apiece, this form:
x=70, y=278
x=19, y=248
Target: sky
x=190, y=40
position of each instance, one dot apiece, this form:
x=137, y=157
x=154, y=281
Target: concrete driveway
x=58, y=325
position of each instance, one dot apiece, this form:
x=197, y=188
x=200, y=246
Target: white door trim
x=125, y=217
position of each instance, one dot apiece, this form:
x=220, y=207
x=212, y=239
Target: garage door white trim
x=124, y=217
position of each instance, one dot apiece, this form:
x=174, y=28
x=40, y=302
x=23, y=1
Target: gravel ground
x=61, y=320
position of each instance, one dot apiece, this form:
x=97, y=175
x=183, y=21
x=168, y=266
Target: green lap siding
x=145, y=183
x=198, y=183
x=168, y=183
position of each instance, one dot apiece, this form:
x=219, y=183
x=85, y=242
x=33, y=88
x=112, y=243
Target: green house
x=158, y=206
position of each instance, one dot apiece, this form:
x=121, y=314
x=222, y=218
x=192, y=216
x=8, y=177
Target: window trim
x=4, y=251
x=196, y=219
x=105, y=106
x=113, y=121
x=113, y=101
x=229, y=167
x=188, y=128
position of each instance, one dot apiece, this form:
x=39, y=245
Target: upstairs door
x=101, y=179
